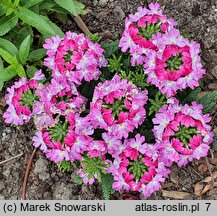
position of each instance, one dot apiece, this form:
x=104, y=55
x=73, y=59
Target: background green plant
x=24, y=25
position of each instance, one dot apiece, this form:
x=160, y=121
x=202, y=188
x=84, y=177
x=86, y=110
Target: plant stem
x=27, y=174
x=81, y=25
x=10, y=159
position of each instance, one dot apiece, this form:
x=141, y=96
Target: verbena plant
x=25, y=21
x=123, y=113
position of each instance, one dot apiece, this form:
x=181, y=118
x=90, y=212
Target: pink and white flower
x=140, y=30
x=175, y=65
x=75, y=57
x=118, y=107
x=182, y=134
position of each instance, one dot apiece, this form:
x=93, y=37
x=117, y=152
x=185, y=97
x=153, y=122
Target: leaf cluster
x=24, y=25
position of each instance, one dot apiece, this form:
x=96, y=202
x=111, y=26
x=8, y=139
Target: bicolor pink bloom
x=118, y=107
x=85, y=178
x=57, y=153
x=20, y=99
x=39, y=75
x=182, y=134
x=81, y=144
x=175, y=65
x=51, y=45
x=97, y=148
x=113, y=144
x=59, y=97
x=42, y=140
x=75, y=56
x=11, y=116
x=138, y=36
x=153, y=171
x=135, y=146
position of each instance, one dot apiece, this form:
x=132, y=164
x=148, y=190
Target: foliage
x=107, y=181
x=208, y=101
x=65, y=166
x=20, y=22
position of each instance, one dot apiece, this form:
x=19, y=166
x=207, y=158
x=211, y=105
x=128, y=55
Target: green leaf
x=74, y=7
x=36, y=21
x=110, y=48
x=1, y=85
x=78, y=180
x=7, y=45
x=1, y=64
x=24, y=49
x=30, y=71
x=107, y=181
x=20, y=71
x=7, y=23
x=16, y=3
x=62, y=18
x=22, y=34
x=7, y=3
x=36, y=55
x=8, y=57
x=47, y=5
x=30, y=3
x=57, y=30
x=59, y=10
x=35, y=9
x=9, y=11
x=193, y=96
x=208, y=101
x=8, y=73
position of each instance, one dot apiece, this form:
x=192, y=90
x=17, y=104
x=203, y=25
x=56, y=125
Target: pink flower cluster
x=182, y=133
x=118, y=107
x=67, y=140
x=138, y=167
x=57, y=97
x=74, y=57
x=170, y=61
x=20, y=99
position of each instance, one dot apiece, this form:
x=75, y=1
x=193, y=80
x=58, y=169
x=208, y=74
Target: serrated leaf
x=24, y=49
x=8, y=73
x=36, y=21
x=78, y=180
x=30, y=3
x=7, y=45
x=193, y=96
x=36, y=55
x=8, y=57
x=107, y=181
x=30, y=71
x=208, y=101
x=110, y=48
x=74, y=7
x=21, y=71
x=7, y=23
